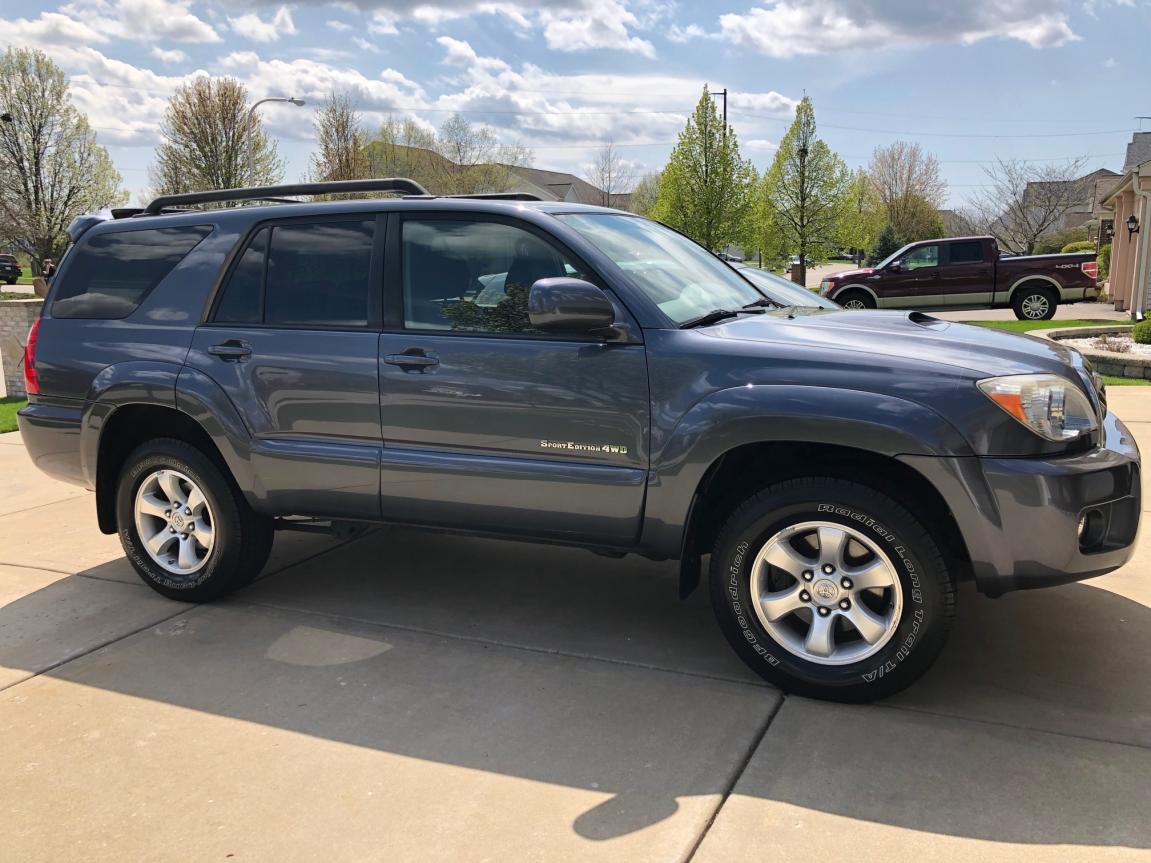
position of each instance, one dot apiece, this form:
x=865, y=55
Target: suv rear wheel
x=830, y=589
x=1034, y=304
x=186, y=530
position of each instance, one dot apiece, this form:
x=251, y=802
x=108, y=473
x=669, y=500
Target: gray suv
x=575, y=375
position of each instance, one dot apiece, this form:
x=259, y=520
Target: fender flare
x=854, y=286
x=730, y=418
x=1058, y=288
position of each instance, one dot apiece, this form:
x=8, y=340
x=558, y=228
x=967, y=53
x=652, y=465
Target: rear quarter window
x=109, y=275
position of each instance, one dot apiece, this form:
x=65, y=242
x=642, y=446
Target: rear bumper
x=1020, y=517
x=51, y=435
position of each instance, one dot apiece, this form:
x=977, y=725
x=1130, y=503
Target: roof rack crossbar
x=264, y=193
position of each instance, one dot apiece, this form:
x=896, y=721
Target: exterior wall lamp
x=1132, y=226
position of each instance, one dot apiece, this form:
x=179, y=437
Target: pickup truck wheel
x=1034, y=304
x=11, y=281
x=186, y=530
x=830, y=589
x=856, y=300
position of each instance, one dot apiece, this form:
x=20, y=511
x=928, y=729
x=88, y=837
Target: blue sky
x=971, y=81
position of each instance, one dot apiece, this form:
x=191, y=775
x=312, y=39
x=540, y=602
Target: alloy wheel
x=174, y=521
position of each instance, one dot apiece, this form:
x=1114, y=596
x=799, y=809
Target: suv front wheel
x=830, y=589
x=186, y=530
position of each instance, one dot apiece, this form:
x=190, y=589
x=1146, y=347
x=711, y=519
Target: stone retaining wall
x=16, y=317
x=1104, y=362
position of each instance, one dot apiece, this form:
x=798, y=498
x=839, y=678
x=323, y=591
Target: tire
x=218, y=544
x=916, y=610
x=1034, y=304
x=12, y=281
x=856, y=300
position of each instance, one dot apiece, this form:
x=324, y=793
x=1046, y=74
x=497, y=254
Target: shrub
x=1141, y=333
x=1104, y=262
x=1052, y=242
x=1079, y=246
x=1113, y=343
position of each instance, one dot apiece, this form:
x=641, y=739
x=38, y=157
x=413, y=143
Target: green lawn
x=1125, y=382
x=8, y=408
x=1028, y=326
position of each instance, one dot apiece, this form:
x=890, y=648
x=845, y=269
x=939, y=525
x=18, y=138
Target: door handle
x=232, y=349
x=412, y=360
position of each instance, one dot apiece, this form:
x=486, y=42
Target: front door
x=293, y=341
x=487, y=424
x=915, y=284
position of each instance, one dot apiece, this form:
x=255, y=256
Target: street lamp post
x=299, y=103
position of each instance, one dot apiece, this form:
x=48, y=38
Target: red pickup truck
x=967, y=273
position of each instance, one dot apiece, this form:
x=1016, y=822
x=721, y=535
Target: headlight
x=1051, y=406
x=824, y=287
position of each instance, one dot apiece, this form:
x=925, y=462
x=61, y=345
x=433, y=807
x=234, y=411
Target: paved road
x=415, y=697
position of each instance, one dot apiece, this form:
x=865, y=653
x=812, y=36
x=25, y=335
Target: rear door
x=967, y=273
x=292, y=339
x=916, y=284
x=489, y=425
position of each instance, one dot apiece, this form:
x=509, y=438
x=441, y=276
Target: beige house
x=1127, y=205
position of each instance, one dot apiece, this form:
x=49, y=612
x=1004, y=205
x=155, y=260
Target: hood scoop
x=927, y=321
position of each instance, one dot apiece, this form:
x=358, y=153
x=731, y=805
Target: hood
x=909, y=336
x=850, y=274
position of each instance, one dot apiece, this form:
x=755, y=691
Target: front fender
x=734, y=417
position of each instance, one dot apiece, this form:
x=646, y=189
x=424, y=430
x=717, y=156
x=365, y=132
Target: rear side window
x=302, y=274
x=109, y=276
x=965, y=253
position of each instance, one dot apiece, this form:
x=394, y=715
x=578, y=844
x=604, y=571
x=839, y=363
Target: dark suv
x=10, y=269
x=567, y=374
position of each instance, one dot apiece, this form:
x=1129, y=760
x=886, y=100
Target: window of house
x=474, y=276
x=302, y=274
x=110, y=274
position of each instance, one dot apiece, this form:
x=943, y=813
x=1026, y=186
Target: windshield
x=684, y=279
x=784, y=291
x=892, y=257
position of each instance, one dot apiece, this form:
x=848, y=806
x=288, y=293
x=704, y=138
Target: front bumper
x=1020, y=517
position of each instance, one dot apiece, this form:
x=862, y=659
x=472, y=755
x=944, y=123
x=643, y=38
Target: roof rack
x=264, y=193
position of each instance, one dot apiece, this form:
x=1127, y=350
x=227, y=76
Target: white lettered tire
x=830, y=589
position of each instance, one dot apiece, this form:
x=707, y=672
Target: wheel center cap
x=178, y=520
x=825, y=591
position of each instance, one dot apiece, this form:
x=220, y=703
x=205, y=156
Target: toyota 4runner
x=566, y=374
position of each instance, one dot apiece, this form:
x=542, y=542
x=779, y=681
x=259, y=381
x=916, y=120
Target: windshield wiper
x=764, y=303
x=716, y=315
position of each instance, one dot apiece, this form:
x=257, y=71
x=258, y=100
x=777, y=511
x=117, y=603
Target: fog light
x=1082, y=528
x=1092, y=529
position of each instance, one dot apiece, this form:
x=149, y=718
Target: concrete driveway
x=406, y=696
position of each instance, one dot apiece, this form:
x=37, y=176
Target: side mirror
x=895, y=266
x=566, y=305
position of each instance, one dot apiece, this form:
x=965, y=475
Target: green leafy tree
x=645, y=194
x=804, y=192
x=886, y=244
x=862, y=217
x=51, y=168
x=706, y=190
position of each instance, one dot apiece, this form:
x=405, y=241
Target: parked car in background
x=967, y=273
x=794, y=262
x=555, y=372
x=10, y=269
x=730, y=258
x=784, y=291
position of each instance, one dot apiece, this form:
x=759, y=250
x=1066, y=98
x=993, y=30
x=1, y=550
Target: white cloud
x=760, y=144
x=771, y=102
x=364, y=45
x=143, y=20
x=168, y=57
x=1110, y=63
x=339, y=26
x=252, y=26
x=603, y=25
x=789, y=28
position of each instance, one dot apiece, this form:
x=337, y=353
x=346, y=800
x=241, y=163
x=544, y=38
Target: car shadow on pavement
x=560, y=667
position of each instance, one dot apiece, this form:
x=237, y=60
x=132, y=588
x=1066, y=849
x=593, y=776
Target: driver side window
x=469, y=276
x=924, y=256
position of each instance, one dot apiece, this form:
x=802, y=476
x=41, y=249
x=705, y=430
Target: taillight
x=1090, y=268
x=31, y=382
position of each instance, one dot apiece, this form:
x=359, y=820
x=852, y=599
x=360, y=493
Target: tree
x=610, y=174
x=1026, y=200
x=886, y=245
x=474, y=161
x=804, y=191
x=645, y=194
x=207, y=130
x=403, y=148
x=342, y=153
x=862, y=217
x=706, y=190
x=909, y=183
x=51, y=168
